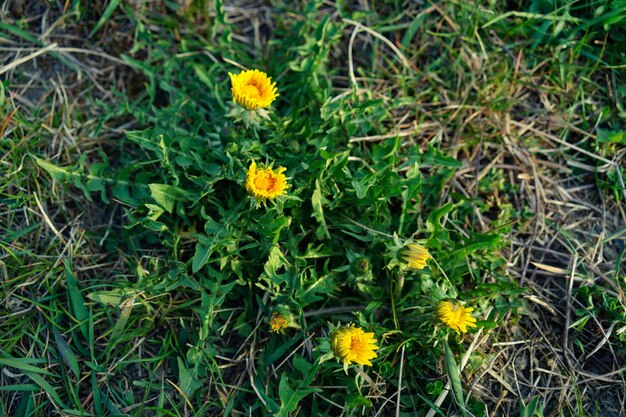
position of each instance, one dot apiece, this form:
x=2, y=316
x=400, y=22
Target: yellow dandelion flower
x=264, y=183
x=455, y=316
x=253, y=89
x=416, y=256
x=352, y=344
x=278, y=322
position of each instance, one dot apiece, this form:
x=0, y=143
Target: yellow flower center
x=455, y=316
x=357, y=346
x=251, y=90
x=265, y=182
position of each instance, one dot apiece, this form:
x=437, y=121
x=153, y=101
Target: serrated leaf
x=433, y=224
x=187, y=382
x=317, y=201
x=289, y=398
x=362, y=186
x=56, y=172
x=201, y=256
x=166, y=195
x=112, y=298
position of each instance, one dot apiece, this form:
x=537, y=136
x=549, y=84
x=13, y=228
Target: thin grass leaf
x=76, y=299
x=97, y=396
x=453, y=376
x=33, y=39
x=528, y=410
x=44, y=385
x=108, y=12
x=19, y=387
x=23, y=365
x=66, y=352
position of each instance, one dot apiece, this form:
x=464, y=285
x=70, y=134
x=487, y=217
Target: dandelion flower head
x=455, y=316
x=278, y=322
x=253, y=89
x=416, y=256
x=352, y=344
x=265, y=183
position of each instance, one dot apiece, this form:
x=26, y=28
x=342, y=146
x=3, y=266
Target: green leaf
x=453, y=376
x=301, y=364
x=289, y=398
x=166, y=195
x=275, y=350
x=76, y=299
x=66, y=352
x=19, y=387
x=611, y=136
x=23, y=365
x=435, y=157
x=362, y=186
x=58, y=173
x=34, y=374
x=33, y=39
x=108, y=12
x=488, y=324
x=318, y=201
x=38, y=379
x=528, y=410
x=356, y=400
x=433, y=224
x=112, y=298
x=186, y=380
x=201, y=256
x=126, y=308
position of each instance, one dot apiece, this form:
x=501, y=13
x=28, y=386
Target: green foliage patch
x=181, y=180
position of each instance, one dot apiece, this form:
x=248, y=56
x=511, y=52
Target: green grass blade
x=76, y=299
x=454, y=376
x=30, y=38
x=23, y=365
x=44, y=385
x=66, y=353
x=528, y=410
x=108, y=12
x=19, y=387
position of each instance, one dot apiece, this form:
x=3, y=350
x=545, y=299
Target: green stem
x=393, y=306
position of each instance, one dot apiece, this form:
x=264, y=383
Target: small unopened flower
x=455, y=316
x=361, y=266
x=416, y=256
x=351, y=344
x=265, y=183
x=253, y=89
x=278, y=322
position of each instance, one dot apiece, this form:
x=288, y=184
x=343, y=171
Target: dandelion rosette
x=265, y=183
x=352, y=344
x=253, y=89
x=416, y=256
x=455, y=316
